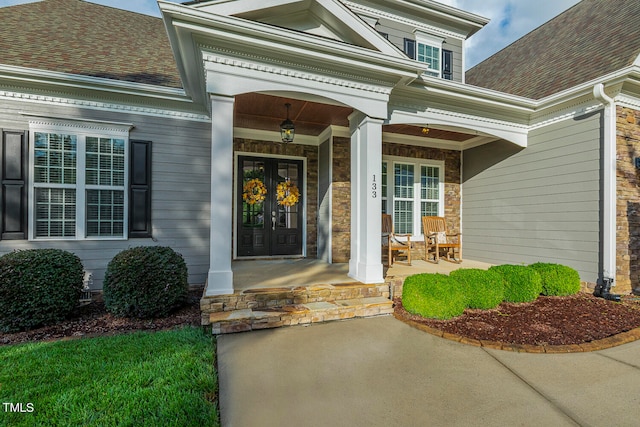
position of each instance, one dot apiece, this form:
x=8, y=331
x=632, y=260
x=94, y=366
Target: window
x=79, y=183
x=430, y=55
x=428, y=49
x=416, y=190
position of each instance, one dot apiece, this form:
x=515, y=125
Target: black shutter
x=447, y=64
x=140, y=189
x=13, y=191
x=410, y=48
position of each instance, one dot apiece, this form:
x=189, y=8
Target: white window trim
x=81, y=129
x=434, y=41
x=416, y=235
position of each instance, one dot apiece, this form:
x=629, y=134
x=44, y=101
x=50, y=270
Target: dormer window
x=428, y=49
x=430, y=55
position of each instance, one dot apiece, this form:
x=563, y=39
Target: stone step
x=249, y=319
x=268, y=298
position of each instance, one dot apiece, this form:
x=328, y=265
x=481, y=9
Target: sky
x=510, y=19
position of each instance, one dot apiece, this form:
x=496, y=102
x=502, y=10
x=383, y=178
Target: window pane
x=55, y=158
x=403, y=175
x=55, y=212
x=430, y=183
x=429, y=209
x=403, y=216
x=105, y=161
x=254, y=193
x=105, y=213
x=429, y=55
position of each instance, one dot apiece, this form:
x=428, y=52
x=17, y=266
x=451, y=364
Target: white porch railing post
x=220, y=277
x=365, y=264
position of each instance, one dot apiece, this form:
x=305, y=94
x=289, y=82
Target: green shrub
x=557, y=279
x=38, y=287
x=521, y=283
x=484, y=289
x=433, y=295
x=145, y=282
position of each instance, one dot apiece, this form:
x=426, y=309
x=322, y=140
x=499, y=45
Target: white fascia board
x=471, y=94
x=262, y=36
x=383, y=70
x=467, y=23
x=235, y=7
x=337, y=9
x=32, y=76
x=617, y=77
x=447, y=12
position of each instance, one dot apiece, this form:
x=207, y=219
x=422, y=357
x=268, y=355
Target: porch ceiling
x=266, y=112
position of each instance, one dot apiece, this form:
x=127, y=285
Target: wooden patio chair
x=390, y=242
x=436, y=239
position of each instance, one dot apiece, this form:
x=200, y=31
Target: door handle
x=273, y=220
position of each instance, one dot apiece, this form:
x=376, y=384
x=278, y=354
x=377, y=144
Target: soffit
x=266, y=112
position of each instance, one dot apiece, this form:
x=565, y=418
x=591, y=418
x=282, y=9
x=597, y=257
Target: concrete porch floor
x=258, y=274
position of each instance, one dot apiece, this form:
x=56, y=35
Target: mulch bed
x=567, y=320
x=93, y=320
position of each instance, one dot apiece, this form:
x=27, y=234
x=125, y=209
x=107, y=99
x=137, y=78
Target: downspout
x=608, y=275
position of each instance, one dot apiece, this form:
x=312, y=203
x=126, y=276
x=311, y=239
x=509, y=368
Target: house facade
x=121, y=130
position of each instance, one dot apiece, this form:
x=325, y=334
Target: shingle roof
x=73, y=36
x=589, y=40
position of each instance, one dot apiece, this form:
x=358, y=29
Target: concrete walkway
x=381, y=372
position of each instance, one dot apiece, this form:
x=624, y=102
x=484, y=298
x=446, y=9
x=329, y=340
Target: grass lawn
x=142, y=379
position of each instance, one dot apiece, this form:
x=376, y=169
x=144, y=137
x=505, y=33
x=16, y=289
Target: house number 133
x=374, y=188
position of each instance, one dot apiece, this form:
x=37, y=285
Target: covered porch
x=289, y=273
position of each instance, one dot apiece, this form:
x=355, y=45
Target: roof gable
x=77, y=37
x=326, y=18
x=590, y=40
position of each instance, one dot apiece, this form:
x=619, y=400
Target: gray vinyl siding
x=180, y=187
x=541, y=203
x=397, y=32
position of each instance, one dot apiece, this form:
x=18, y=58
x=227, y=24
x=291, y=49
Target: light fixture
x=425, y=130
x=287, y=128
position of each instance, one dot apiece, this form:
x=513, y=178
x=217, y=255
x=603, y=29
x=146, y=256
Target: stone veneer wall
x=341, y=200
x=310, y=152
x=628, y=201
x=341, y=180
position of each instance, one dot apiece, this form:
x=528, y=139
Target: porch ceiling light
x=287, y=128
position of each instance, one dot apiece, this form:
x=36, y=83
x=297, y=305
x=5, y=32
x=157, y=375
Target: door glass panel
x=254, y=192
x=288, y=195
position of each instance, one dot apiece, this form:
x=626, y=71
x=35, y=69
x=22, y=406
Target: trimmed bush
x=38, y=287
x=145, y=282
x=484, y=289
x=433, y=295
x=557, y=279
x=521, y=283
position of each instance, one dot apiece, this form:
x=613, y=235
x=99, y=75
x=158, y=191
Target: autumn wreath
x=254, y=191
x=287, y=193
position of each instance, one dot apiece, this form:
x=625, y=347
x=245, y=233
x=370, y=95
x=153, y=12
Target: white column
x=220, y=278
x=365, y=264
